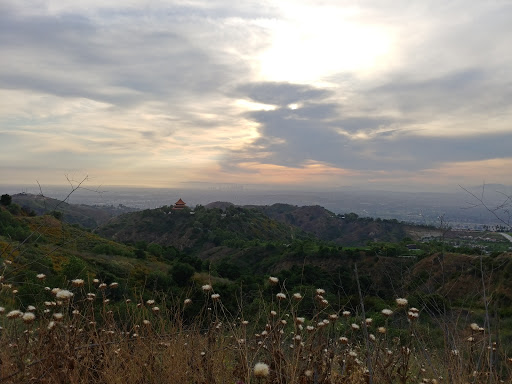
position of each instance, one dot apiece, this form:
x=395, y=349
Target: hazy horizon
x=455, y=207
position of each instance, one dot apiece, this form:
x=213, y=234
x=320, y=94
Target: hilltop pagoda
x=180, y=204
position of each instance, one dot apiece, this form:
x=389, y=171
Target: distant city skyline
x=289, y=95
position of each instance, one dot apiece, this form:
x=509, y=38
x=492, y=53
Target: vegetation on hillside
x=169, y=260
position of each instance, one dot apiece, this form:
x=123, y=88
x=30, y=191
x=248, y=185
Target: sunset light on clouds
x=285, y=93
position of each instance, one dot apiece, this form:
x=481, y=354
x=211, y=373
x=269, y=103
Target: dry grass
x=96, y=341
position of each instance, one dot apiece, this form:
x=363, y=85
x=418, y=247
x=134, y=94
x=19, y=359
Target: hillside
x=199, y=229
x=85, y=215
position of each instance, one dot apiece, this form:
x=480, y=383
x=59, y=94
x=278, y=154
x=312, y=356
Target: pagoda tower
x=180, y=204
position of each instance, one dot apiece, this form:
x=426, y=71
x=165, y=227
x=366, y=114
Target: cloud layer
x=295, y=93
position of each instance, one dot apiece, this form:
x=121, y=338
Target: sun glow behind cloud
x=313, y=42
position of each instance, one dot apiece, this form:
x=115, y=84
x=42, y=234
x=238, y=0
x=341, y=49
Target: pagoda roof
x=180, y=202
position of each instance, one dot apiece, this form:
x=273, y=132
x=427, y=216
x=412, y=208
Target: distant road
x=506, y=236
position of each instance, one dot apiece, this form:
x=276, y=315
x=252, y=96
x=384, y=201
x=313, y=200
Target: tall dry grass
x=74, y=334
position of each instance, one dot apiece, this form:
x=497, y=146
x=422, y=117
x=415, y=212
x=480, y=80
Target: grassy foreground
x=75, y=334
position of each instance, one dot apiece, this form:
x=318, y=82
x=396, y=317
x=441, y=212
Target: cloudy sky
x=384, y=94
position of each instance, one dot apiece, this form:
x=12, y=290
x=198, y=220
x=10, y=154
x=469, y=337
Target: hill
x=197, y=229
x=85, y=215
x=348, y=229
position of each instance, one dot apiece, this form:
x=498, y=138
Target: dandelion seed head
x=41, y=276
x=273, y=280
x=58, y=316
x=475, y=327
x=114, y=285
x=215, y=296
x=320, y=291
x=102, y=286
x=401, y=302
x=297, y=296
x=346, y=313
x=413, y=315
x=206, y=288
x=387, y=312
x=281, y=296
x=77, y=282
x=354, y=326
x=261, y=370
x=273, y=313
x=155, y=309
x=64, y=294
x=28, y=317
x=14, y=314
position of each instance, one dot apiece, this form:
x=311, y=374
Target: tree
x=182, y=273
x=6, y=200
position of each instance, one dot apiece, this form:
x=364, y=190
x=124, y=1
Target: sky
x=400, y=94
